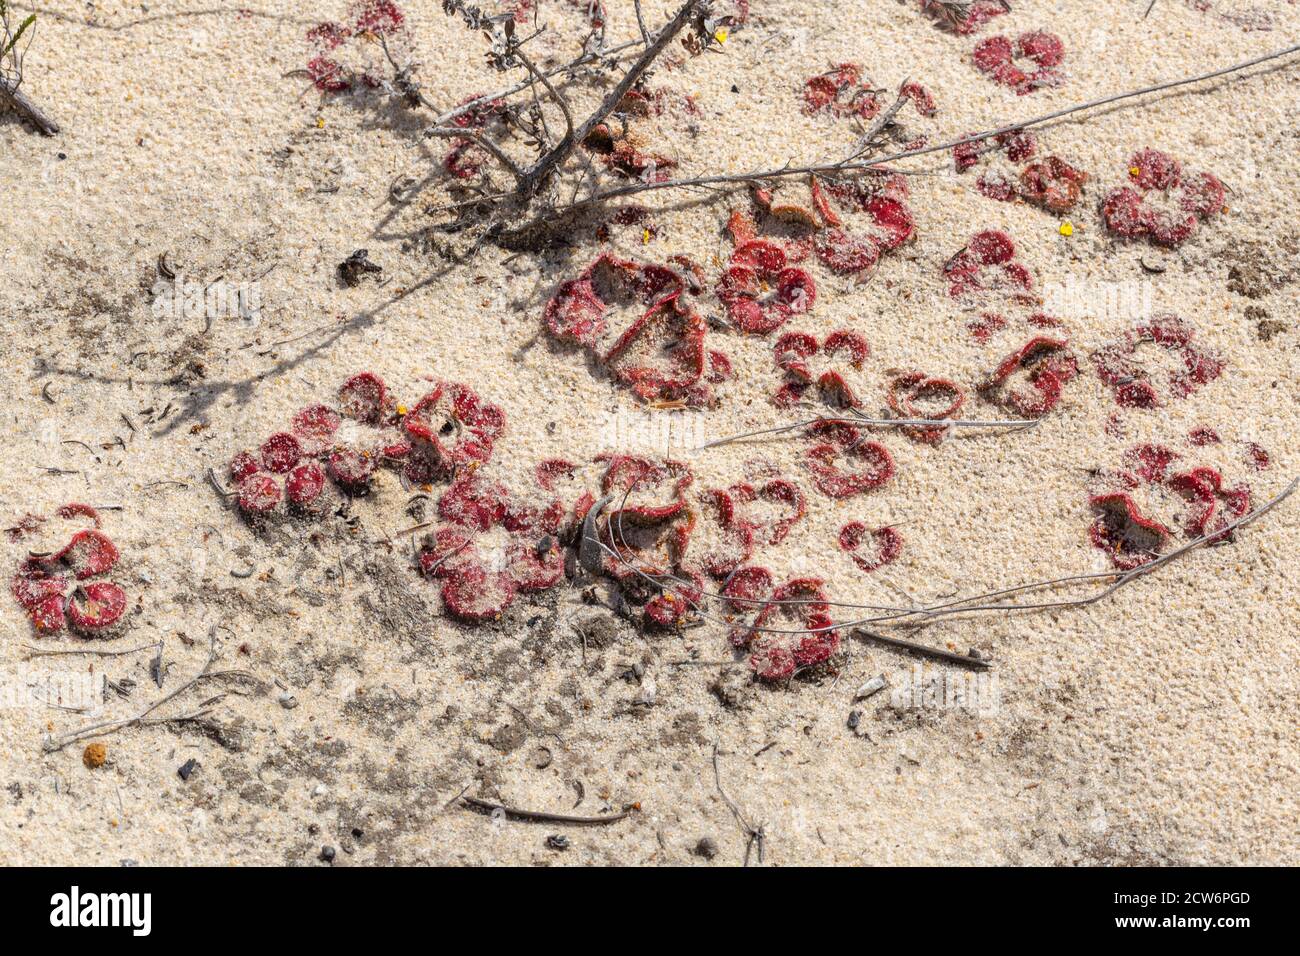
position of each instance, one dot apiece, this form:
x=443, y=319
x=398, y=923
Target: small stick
x=925, y=650
x=540, y=816
x=754, y=834
x=102, y=728
x=875, y=423
x=33, y=652
x=25, y=107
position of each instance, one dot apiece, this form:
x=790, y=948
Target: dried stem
x=859, y=419
x=102, y=728
x=753, y=834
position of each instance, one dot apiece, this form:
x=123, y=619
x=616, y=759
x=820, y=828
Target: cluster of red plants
x=985, y=275
x=797, y=355
x=446, y=430
x=56, y=589
x=1048, y=181
x=366, y=18
x=1025, y=64
x=761, y=291
x=848, y=224
x=792, y=629
x=1161, y=203
x=1142, y=506
x=842, y=92
x=636, y=320
x=1136, y=383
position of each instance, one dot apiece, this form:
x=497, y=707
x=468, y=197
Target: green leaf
x=22, y=28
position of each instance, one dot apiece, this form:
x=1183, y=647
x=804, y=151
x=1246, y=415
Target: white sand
x=1156, y=727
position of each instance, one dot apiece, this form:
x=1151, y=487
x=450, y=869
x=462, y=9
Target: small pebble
x=288, y=701
x=319, y=790
x=187, y=768
x=707, y=848
x=557, y=841
x=855, y=717
x=873, y=686
x=327, y=854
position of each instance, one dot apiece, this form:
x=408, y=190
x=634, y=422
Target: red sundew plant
x=796, y=354
x=760, y=292
x=636, y=320
x=840, y=92
x=487, y=552
x=674, y=606
x=1138, y=506
x=56, y=591
x=777, y=656
x=843, y=463
x=770, y=509
x=1161, y=203
x=653, y=489
x=886, y=545
x=1032, y=379
x=917, y=395
x=721, y=541
x=987, y=266
x=1257, y=457
x=367, y=19
x=865, y=218
x=1120, y=529
x=1050, y=182
x=997, y=58
x=1136, y=384
x=448, y=429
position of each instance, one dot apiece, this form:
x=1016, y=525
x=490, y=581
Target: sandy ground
x=1155, y=727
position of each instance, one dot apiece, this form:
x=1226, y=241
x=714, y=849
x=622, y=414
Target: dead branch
x=12, y=52
x=546, y=166
x=103, y=728
x=860, y=165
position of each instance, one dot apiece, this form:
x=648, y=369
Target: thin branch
x=550, y=88
x=978, y=663
x=589, y=57
x=540, y=816
x=785, y=171
x=874, y=423
x=34, y=652
x=454, y=132
x=102, y=728
x=752, y=833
